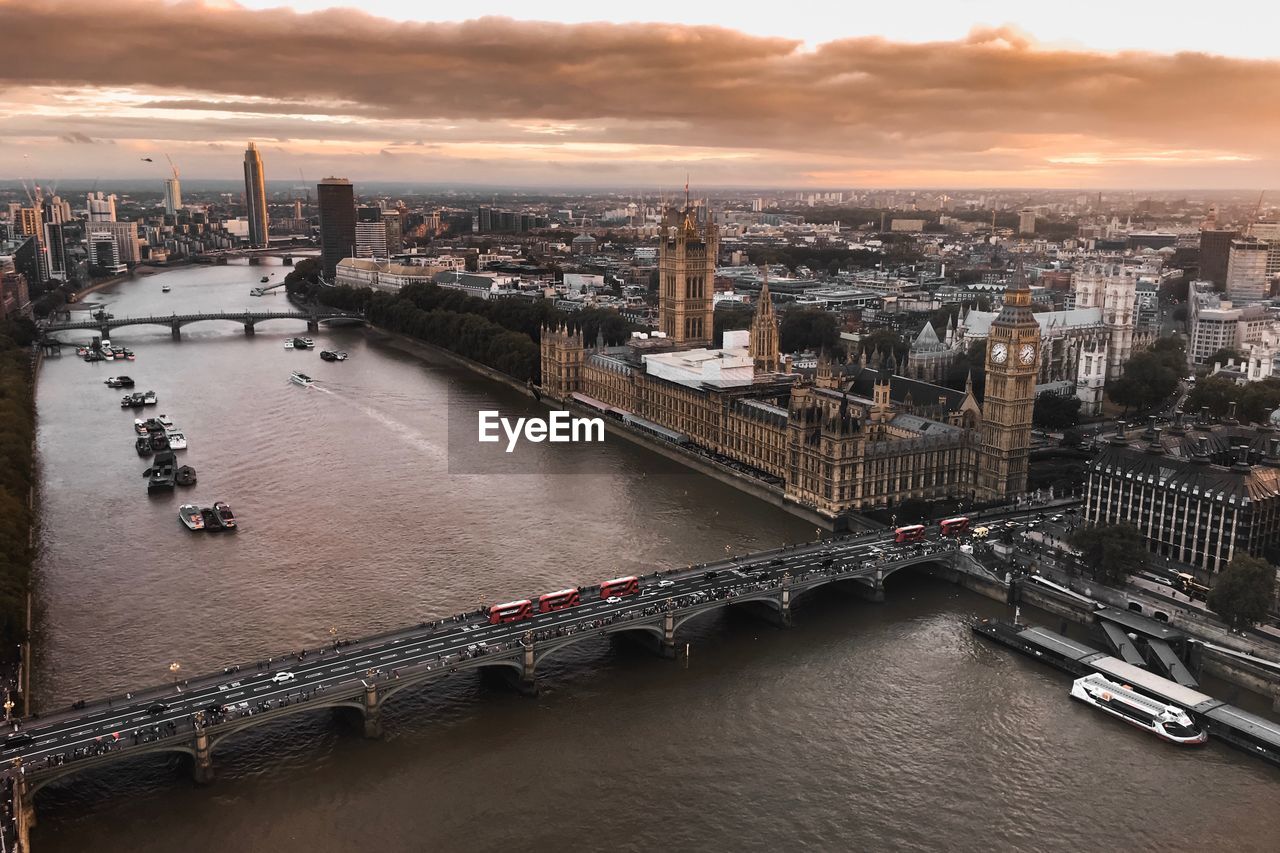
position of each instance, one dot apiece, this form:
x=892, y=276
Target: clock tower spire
x=1013, y=361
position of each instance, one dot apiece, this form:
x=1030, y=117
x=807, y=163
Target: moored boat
x=165, y=421
x=225, y=515
x=177, y=441
x=288, y=345
x=143, y=446
x=191, y=516
x=160, y=441
x=211, y=521
x=161, y=477
x=185, y=476
x=140, y=426
x=1165, y=721
x=264, y=280
x=150, y=398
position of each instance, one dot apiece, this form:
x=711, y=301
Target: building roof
x=978, y=323
x=862, y=380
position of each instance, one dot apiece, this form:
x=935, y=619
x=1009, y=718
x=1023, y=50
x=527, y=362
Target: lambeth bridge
x=357, y=677
x=103, y=323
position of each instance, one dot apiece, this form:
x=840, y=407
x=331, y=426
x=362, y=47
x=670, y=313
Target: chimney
x=1230, y=419
x=1240, y=458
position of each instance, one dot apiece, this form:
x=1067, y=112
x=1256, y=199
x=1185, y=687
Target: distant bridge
x=103, y=323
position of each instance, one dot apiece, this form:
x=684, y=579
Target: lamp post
x=8, y=706
x=175, y=668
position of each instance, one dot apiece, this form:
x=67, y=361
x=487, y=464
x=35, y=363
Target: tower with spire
x=687, y=249
x=764, y=333
x=562, y=351
x=1013, y=361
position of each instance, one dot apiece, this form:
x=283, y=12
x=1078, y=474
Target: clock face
x=999, y=353
x=1027, y=354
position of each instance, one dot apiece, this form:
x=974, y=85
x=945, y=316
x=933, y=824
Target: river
x=865, y=727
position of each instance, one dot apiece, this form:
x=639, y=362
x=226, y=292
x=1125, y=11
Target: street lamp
x=8, y=706
x=174, y=668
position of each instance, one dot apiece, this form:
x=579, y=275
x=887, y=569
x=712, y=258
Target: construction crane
x=171, y=166
x=1257, y=211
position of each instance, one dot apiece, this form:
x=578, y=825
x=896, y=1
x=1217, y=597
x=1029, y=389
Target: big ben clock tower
x=1013, y=361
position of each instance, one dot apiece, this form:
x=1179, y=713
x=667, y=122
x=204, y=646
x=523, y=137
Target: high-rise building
x=687, y=251
x=1247, y=271
x=101, y=207
x=1013, y=356
x=255, y=196
x=1215, y=250
x=103, y=251
x=28, y=221
x=337, y=202
x=371, y=233
x=172, y=195
x=1270, y=231
x=1027, y=221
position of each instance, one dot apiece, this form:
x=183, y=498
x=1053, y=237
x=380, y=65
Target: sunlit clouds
x=96, y=85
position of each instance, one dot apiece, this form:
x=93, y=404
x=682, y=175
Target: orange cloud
x=991, y=104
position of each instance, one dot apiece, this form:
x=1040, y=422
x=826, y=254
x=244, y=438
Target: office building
x=1247, y=271
x=1027, y=221
x=101, y=207
x=336, y=200
x=104, y=253
x=255, y=197
x=1270, y=232
x=172, y=195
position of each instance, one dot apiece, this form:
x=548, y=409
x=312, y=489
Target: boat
x=264, y=280
x=303, y=343
x=166, y=422
x=177, y=441
x=143, y=446
x=136, y=400
x=301, y=379
x=118, y=382
x=211, y=521
x=154, y=426
x=288, y=345
x=326, y=355
x=341, y=354
x=106, y=355
x=1165, y=721
x=150, y=398
x=160, y=441
x=126, y=401
x=191, y=516
x=165, y=288
x=225, y=515
x=162, y=472
x=140, y=426
x=185, y=476
x=129, y=356
x=308, y=343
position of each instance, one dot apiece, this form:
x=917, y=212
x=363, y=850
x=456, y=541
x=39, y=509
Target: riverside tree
x=1244, y=591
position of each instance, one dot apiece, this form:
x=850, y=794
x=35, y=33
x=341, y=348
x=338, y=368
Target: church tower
x=764, y=333
x=687, y=249
x=1013, y=360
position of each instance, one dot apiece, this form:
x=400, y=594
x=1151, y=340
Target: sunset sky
x=924, y=94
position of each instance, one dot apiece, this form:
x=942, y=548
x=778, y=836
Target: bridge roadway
x=196, y=715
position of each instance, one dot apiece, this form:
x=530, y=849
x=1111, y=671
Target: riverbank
x=78, y=296
x=18, y=369
x=707, y=466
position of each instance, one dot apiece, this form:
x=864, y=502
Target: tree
x=1216, y=393
x=730, y=318
x=1223, y=356
x=1112, y=552
x=1244, y=591
x=1054, y=411
x=808, y=329
x=1149, y=377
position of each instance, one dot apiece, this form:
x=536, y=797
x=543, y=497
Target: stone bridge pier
x=176, y=330
x=255, y=260
x=248, y=326
x=372, y=711
x=313, y=324
x=203, y=756
x=287, y=260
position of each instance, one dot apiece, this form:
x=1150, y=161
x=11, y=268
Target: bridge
x=103, y=323
x=286, y=254
x=358, y=677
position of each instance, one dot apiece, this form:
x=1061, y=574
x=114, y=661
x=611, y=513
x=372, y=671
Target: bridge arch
x=42, y=779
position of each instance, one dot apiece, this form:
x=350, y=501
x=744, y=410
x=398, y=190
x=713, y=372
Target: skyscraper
x=1247, y=271
x=101, y=207
x=1215, y=250
x=173, y=195
x=336, y=199
x=371, y=234
x=255, y=196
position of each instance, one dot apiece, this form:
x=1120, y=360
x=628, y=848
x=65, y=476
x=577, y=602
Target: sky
x=933, y=93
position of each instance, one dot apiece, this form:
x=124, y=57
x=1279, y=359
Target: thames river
x=865, y=727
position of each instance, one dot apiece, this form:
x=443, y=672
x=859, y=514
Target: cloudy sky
x=933, y=93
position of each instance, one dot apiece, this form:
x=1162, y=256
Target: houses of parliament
x=842, y=438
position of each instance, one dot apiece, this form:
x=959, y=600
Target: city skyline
x=500, y=101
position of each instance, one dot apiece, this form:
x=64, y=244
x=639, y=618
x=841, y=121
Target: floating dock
x=1243, y=730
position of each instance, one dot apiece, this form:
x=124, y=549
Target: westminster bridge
x=357, y=677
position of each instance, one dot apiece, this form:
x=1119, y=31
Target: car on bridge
x=613, y=599
x=157, y=709
x=283, y=677
x=666, y=582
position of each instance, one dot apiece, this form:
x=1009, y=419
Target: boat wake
x=406, y=433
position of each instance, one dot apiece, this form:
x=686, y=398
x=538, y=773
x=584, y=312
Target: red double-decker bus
x=512, y=611
x=910, y=533
x=954, y=526
x=559, y=600
x=620, y=587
